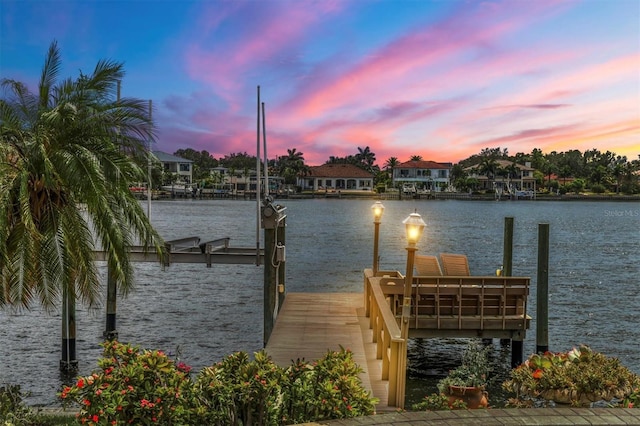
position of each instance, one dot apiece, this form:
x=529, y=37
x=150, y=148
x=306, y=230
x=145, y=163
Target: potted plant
x=468, y=381
x=578, y=377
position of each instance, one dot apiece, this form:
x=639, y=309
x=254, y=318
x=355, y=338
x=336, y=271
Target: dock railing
x=386, y=331
x=441, y=306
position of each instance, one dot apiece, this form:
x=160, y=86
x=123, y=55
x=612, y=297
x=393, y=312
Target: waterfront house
x=181, y=167
x=507, y=174
x=336, y=177
x=423, y=175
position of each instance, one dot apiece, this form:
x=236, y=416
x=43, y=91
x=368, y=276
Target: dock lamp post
x=377, y=209
x=414, y=226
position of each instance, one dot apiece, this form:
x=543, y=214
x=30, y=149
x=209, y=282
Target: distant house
x=522, y=179
x=336, y=177
x=179, y=166
x=423, y=175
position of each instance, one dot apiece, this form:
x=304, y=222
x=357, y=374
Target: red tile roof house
x=336, y=177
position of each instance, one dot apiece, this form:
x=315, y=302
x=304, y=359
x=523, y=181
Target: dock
x=311, y=324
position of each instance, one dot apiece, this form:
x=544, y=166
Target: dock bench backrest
x=427, y=265
x=455, y=264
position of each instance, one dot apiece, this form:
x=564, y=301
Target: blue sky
x=441, y=79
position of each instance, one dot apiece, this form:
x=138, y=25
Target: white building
x=423, y=175
x=179, y=166
x=336, y=177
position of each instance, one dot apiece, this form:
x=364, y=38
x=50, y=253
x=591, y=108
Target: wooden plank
x=310, y=324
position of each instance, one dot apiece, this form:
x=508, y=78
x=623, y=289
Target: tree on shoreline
x=69, y=153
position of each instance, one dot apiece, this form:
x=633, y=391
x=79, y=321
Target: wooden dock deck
x=310, y=324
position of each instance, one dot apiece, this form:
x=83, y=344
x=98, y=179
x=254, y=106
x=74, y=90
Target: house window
x=442, y=173
x=185, y=167
x=404, y=173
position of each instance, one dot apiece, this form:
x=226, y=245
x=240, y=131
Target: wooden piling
x=507, y=252
x=542, y=290
x=507, y=271
x=110, y=332
x=68, y=361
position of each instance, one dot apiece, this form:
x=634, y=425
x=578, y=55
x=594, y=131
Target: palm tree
x=292, y=166
x=71, y=144
x=389, y=165
x=365, y=157
x=416, y=158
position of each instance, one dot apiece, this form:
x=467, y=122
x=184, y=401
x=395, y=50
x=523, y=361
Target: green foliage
x=237, y=391
x=632, y=400
x=146, y=387
x=437, y=402
x=13, y=411
x=133, y=386
x=327, y=389
x=579, y=377
x=598, y=188
x=72, y=142
x=474, y=370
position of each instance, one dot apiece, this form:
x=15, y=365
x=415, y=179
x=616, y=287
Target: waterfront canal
x=202, y=314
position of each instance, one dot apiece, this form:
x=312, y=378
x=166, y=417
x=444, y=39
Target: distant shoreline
x=350, y=195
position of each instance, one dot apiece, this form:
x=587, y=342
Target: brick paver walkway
x=502, y=417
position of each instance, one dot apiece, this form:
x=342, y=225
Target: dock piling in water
x=542, y=289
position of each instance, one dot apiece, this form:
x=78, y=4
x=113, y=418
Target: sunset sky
x=441, y=79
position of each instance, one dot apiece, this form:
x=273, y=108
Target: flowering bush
x=577, y=377
x=632, y=400
x=146, y=387
x=133, y=387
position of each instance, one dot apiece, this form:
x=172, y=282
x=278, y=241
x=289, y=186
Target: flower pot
x=474, y=397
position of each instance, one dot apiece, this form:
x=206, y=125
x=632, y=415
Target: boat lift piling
x=183, y=250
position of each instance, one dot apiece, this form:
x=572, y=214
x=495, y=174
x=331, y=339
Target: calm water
x=203, y=314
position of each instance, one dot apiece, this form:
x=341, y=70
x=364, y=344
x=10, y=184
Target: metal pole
x=542, y=290
x=149, y=168
x=404, y=327
x=376, y=234
x=264, y=142
x=259, y=215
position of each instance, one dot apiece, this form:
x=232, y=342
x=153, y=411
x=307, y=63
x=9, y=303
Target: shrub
x=13, y=411
x=597, y=188
x=142, y=387
x=133, y=387
x=577, y=377
x=437, y=402
x=239, y=391
x=327, y=389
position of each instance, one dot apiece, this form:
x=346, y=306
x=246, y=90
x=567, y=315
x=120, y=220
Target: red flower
x=80, y=383
x=95, y=418
x=537, y=374
x=86, y=402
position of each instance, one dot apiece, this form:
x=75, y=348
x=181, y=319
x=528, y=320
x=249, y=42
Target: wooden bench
x=464, y=306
